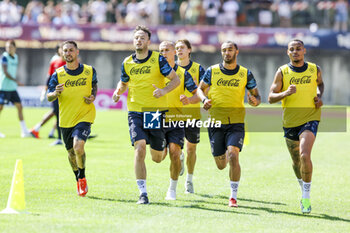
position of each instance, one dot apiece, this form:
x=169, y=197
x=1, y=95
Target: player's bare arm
x=275, y=94
x=320, y=88
x=200, y=92
x=121, y=88
x=92, y=97
x=254, y=98
x=51, y=96
x=174, y=82
x=190, y=100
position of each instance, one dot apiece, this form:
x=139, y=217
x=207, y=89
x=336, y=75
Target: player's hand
x=59, y=89
x=19, y=83
x=158, y=92
x=207, y=104
x=291, y=90
x=115, y=97
x=318, y=102
x=252, y=100
x=89, y=99
x=184, y=100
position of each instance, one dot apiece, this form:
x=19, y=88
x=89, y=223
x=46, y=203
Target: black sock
x=76, y=174
x=81, y=173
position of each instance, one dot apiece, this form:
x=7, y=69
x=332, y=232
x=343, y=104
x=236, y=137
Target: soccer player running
x=145, y=73
x=56, y=61
x=225, y=101
x=299, y=86
x=9, y=83
x=191, y=102
x=174, y=135
x=75, y=87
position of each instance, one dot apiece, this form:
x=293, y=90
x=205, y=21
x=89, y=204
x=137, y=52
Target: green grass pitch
x=268, y=195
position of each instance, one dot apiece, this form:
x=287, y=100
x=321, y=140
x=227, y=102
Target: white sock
x=24, y=127
x=306, y=190
x=300, y=183
x=52, y=132
x=142, y=186
x=234, y=189
x=37, y=127
x=173, y=184
x=189, y=177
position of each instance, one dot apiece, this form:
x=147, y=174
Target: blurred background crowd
x=264, y=13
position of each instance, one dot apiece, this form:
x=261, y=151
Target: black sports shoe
x=143, y=199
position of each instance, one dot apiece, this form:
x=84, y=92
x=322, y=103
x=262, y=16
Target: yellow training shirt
x=299, y=107
x=72, y=106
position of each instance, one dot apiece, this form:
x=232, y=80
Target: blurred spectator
x=193, y=11
x=122, y=11
x=211, y=8
x=10, y=12
x=341, y=16
x=301, y=13
x=284, y=11
x=230, y=8
x=98, y=11
x=265, y=14
x=84, y=14
x=111, y=11
x=144, y=11
x=168, y=10
x=33, y=9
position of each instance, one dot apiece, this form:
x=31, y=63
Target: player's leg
x=175, y=167
x=234, y=137
x=24, y=129
x=293, y=148
x=46, y=118
x=80, y=133
x=307, y=139
x=157, y=144
x=139, y=139
x=292, y=140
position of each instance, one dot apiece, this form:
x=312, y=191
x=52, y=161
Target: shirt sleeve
x=3, y=60
x=124, y=76
x=207, y=76
x=201, y=73
x=94, y=76
x=190, y=85
x=251, y=82
x=53, y=82
x=164, y=66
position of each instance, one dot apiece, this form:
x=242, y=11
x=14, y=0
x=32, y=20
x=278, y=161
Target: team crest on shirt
x=241, y=74
x=312, y=70
x=193, y=69
x=152, y=60
x=87, y=72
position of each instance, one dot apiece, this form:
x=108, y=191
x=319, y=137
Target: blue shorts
x=154, y=137
x=175, y=135
x=9, y=96
x=55, y=107
x=192, y=134
x=226, y=135
x=294, y=133
x=82, y=131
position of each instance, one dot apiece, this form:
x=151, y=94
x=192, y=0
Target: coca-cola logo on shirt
x=141, y=70
x=228, y=83
x=75, y=83
x=302, y=80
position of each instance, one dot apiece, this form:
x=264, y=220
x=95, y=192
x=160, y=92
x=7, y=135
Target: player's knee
x=78, y=149
x=305, y=157
x=191, y=150
x=221, y=166
x=157, y=157
x=233, y=157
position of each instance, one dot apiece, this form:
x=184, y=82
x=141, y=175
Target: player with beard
x=145, y=73
x=299, y=86
x=75, y=87
x=225, y=102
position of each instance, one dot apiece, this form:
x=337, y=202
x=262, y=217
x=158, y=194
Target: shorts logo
x=152, y=120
